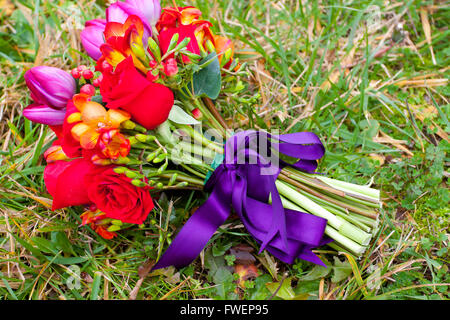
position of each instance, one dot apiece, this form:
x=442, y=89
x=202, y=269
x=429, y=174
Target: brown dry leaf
x=270, y=264
x=243, y=255
x=7, y=6
x=145, y=268
x=143, y=271
x=422, y=83
x=427, y=31
x=399, y=144
x=378, y=157
x=169, y=274
x=422, y=114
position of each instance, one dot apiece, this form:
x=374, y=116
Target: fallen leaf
x=242, y=253
x=245, y=272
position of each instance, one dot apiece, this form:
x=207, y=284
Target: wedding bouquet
x=143, y=120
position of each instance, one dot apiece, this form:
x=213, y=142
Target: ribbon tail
x=278, y=220
x=197, y=231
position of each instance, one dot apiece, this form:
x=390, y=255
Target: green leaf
x=180, y=116
x=44, y=245
x=96, y=286
x=317, y=272
x=208, y=81
x=69, y=260
x=62, y=242
x=369, y=128
x=341, y=270
x=285, y=292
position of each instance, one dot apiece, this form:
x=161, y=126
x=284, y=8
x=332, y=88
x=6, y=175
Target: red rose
x=126, y=88
x=114, y=194
x=65, y=182
x=80, y=182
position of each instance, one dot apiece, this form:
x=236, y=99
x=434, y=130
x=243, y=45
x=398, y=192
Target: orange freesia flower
x=123, y=40
x=173, y=17
x=222, y=44
x=95, y=124
x=55, y=153
x=113, y=144
x=95, y=220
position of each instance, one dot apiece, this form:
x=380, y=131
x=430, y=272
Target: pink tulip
x=44, y=114
x=147, y=10
x=50, y=86
x=92, y=37
x=150, y=9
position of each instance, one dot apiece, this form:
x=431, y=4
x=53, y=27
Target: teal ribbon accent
x=217, y=161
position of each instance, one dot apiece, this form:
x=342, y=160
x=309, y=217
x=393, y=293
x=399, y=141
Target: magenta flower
x=92, y=37
x=147, y=10
x=50, y=86
x=44, y=114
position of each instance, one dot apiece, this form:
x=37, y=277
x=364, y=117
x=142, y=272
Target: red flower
x=65, y=182
x=114, y=194
x=175, y=16
x=184, y=31
x=148, y=103
x=80, y=182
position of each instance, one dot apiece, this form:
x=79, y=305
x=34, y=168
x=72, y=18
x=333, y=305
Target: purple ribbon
x=244, y=181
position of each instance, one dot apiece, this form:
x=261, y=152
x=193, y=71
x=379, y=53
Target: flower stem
x=343, y=227
x=351, y=245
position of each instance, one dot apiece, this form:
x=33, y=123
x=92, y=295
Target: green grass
x=312, y=67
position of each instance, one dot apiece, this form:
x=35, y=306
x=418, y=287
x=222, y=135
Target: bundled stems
x=350, y=209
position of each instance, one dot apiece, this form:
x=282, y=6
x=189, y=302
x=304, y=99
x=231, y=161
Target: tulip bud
x=92, y=37
x=44, y=114
x=50, y=86
x=149, y=9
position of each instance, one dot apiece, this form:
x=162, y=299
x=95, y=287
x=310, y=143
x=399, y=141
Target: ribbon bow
x=246, y=181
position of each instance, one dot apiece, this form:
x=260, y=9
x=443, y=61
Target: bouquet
x=143, y=119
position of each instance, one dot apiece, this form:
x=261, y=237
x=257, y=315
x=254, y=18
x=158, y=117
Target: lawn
x=369, y=77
